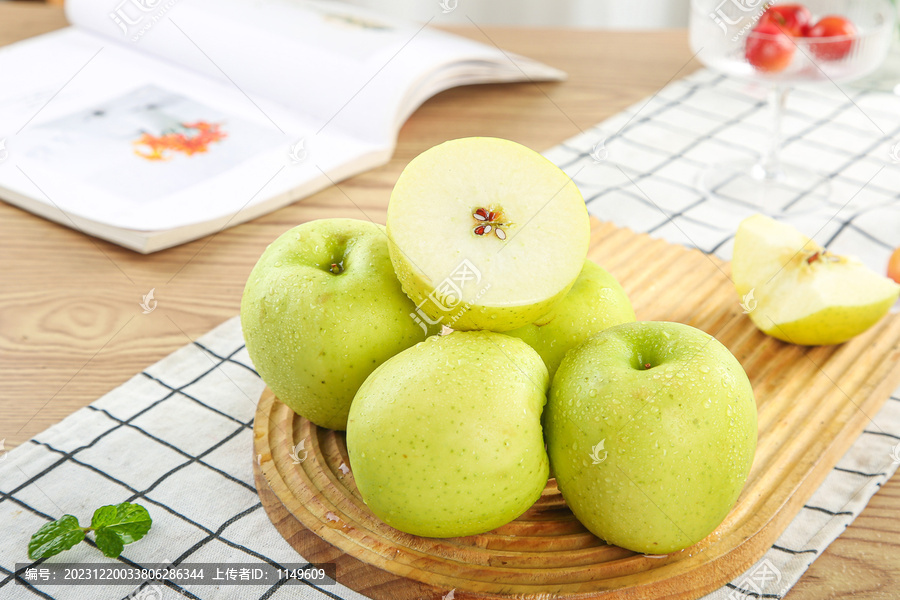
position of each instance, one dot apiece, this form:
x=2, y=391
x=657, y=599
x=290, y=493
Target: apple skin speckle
x=313, y=335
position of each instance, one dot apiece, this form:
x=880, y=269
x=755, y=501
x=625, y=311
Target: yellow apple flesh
x=486, y=234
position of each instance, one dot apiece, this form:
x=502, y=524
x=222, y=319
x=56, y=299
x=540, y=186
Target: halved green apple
x=486, y=234
x=798, y=292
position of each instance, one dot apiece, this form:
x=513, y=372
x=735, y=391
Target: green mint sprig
x=113, y=526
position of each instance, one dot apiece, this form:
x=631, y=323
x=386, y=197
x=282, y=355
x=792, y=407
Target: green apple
x=651, y=431
x=595, y=302
x=486, y=234
x=798, y=292
x=321, y=310
x=445, y=438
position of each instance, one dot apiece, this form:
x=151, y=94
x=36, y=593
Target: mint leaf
x=114, y=526
x=130, y=522
x=109, y=543
x=103, y=516
x=54, y=537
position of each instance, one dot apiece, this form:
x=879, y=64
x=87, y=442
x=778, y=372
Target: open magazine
x=154, y=122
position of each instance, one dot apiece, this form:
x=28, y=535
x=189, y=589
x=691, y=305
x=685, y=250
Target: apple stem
x=336, y=268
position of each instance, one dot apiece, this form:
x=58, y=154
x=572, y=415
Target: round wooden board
x=812, y=403
x=546, y=553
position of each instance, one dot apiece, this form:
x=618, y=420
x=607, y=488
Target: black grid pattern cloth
x=177, y=438
x=640, y=168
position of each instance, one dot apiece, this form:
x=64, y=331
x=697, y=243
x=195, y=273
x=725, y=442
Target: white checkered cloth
x=177, y=438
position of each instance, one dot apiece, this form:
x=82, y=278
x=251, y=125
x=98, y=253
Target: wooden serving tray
x=813, y=402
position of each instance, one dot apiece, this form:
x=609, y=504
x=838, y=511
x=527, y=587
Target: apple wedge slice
x=798, y=292
x=485, y=234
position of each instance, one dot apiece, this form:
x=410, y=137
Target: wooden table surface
x=71, y=327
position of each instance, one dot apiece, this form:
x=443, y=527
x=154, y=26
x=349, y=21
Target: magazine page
x=113, y=135
x=342, y=66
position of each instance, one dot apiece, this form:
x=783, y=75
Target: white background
x=606, y=14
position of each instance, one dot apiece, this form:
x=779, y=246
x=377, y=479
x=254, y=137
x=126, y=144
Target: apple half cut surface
x=798, y=292
x=486, y=234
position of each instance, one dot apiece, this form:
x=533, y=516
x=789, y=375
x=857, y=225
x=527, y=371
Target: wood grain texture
x=71, y=328
x=812, y=404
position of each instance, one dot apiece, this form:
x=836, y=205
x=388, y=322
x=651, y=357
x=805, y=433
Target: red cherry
x=829, y=27
x=768, y=48
x=793, y=19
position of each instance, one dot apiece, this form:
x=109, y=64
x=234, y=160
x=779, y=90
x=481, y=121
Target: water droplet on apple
x=592, y=393
x=704, y=369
